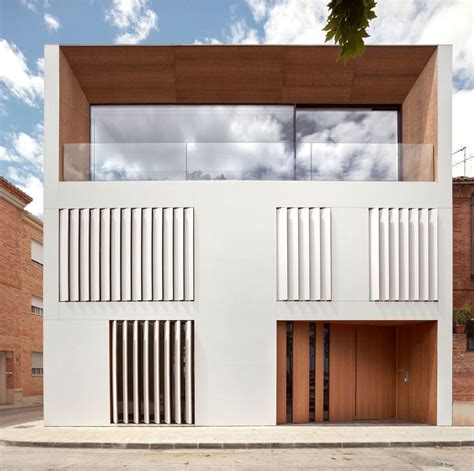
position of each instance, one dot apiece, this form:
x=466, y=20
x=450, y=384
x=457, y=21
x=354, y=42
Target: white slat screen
x=152, y=372
x=403, y=254
x=126, y=254
x=304, y=254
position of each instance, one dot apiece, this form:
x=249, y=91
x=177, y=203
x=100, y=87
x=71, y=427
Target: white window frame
x=37, y=252
x=36, y=364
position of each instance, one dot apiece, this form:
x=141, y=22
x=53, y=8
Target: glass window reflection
x=192, y=142
x=351, y=144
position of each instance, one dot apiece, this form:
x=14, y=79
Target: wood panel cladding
x=342, y=372
x=245, y=74
x=420, y=125
x=375, y=371
x=74, y=118
x=300, y=372
x=417, y=355
x=281, y=373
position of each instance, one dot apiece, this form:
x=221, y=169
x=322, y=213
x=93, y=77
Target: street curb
x=21, y=407
x=233, y=446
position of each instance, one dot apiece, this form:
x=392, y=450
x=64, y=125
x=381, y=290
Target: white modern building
x=247, y=235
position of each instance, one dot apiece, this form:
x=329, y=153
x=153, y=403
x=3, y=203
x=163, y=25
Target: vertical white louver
x=115, y=249
x=157, y=249
x=84, y=255
x=167, y=372
x=403, y=254
x=64, y=255
x=94, y=251
x=303, y=254
x=189, y=254
x=142, y=352
x=74, y=255
x=114, y=372
x=124, y=353
x=126, y=254
x=147, y=255
x=104, y=255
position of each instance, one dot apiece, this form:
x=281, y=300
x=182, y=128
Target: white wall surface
x=235, y=308
x=76, y=372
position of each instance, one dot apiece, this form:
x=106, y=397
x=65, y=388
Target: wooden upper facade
x=245, y=74
x=403, y=76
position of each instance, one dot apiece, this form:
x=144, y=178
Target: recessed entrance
x=360, y=371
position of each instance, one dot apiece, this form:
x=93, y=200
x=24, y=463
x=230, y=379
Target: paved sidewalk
x=8, y=407
x=188, y=437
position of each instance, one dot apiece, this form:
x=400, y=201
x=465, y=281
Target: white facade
x=235, y=305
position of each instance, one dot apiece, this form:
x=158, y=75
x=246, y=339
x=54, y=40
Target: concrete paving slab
x=186, y=437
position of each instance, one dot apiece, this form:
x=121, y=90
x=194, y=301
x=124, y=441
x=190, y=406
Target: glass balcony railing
x=248, y=161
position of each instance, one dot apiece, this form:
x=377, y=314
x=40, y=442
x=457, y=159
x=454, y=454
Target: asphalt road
x=21, y=415
x=358, y=459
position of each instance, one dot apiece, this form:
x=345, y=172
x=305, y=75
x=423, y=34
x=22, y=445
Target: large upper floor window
x=348, y=144
x=246, y=142
x=192, y=142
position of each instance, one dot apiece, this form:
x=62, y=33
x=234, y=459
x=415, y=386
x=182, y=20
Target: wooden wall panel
x=319, y=373
x=124, y=74
x=342, y=357
x=420, y=125
x=74, y=124
x=245, y=74
x=300, y=372
x=417, y=353
x=281, y=372
x=375, y=372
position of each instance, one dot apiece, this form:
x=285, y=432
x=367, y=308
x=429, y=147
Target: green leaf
x=347, y=25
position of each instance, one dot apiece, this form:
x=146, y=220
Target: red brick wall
x=463, y=370
x=463, y=285
x=463, y=289
x=21, y=332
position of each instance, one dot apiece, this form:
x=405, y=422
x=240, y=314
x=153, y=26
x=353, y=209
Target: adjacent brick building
x=21, y=298
x=463, y=292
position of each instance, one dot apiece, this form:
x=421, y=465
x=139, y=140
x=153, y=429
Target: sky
x=27, y=25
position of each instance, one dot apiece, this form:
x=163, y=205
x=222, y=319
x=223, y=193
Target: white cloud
x=25, y=149
x=258, y=9
x=15, y=76
x=463, y=105
x=240, y=33
x=22, y=156
x=397, y=22
x=51, y=22
x=295, y=22
x=30, y=4
x=134, y=19
x=208, y=40
x=40, y=64
x=429, y=22
x=32, y=186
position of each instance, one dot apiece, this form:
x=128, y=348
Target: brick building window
x=36, y=252
x=470, y=336
x=37, y=363
x=37, y=305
